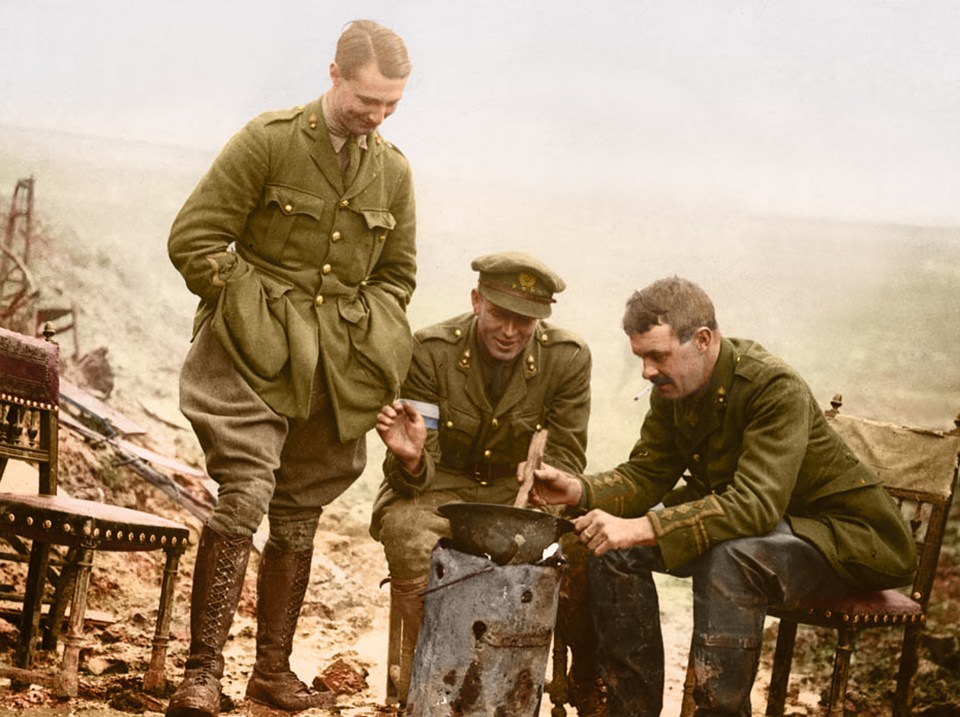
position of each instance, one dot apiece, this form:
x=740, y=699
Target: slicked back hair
x=675, y=302
x=364, y=41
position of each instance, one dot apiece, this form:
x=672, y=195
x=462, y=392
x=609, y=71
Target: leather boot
x=217, y=583
x=405, y=596
x=281, y=586
x=575, y=627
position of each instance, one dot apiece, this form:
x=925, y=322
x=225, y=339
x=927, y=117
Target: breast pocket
x=289, y=220
x=459, y=431
x=380, y=223
x=516, y=436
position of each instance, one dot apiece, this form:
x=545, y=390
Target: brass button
x=327, y=268
x=495, y=423
x=335, y=236
x=458, y=332
x=344, y=202
x=319, y=300
x=487, y=453
x=382, y=237
x=538, y=427
x=696, y=457
x=288, y=208
x=449, y=424
x=544, y=338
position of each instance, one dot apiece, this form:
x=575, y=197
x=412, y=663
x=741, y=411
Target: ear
x=335, y=75
x=475, y=300
x=703, y=337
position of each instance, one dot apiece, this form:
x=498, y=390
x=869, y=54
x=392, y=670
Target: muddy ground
x=345, y=614
x=110, y=260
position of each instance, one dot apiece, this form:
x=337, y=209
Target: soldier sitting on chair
x=774, y=508
x=480, y=385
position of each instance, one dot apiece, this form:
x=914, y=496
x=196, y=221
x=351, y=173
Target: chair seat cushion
x=67, y=521
x=875, y=603
x=881, y=606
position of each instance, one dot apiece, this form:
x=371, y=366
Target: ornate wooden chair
x=918, y=467
x=29, y=403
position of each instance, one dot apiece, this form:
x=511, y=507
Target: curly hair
x=675, y=302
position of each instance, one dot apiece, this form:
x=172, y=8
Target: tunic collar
x=700, y=413
x=338, y=133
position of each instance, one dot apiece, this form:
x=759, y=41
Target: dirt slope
x=133, y=304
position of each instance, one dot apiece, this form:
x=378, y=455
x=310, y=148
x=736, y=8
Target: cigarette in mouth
x=644, y=392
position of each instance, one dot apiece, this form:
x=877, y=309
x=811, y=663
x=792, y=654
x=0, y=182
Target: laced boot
x=405, y=596
x=281, y=586
x=217, y=582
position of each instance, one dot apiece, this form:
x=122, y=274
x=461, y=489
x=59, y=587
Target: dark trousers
x=733, y=583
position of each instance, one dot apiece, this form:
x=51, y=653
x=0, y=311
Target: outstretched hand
x=404, y=433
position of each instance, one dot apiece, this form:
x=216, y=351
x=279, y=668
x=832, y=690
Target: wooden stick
x=534, y=461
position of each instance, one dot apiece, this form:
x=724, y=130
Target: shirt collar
x=338, y=133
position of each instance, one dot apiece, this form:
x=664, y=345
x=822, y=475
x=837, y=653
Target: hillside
x=871, y=311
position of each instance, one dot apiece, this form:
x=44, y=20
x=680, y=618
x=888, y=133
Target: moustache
x=654, y=383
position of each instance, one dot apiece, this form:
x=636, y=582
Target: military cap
x=518, y=282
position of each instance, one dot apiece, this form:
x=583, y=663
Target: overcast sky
x=847, y=109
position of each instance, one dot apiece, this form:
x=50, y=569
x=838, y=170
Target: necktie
x=349, y=160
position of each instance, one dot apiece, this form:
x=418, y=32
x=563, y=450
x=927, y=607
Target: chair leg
x=32, y=603
x=155, y=676
x=909, y=661
x=841, y=671
x=558, y=688
x=780, y=674
x=66, y=682
x=61, y=598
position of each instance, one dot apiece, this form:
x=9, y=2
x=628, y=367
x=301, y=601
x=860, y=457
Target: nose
x=510, y=327
x=377, y=114
x=649, y=371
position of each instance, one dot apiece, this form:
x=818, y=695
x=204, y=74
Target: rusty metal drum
x=485, y=639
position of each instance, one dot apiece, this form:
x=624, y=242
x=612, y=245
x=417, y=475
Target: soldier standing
x=299, y=242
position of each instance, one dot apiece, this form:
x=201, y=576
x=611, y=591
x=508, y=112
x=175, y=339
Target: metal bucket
x=485, y=639
x=502, y=533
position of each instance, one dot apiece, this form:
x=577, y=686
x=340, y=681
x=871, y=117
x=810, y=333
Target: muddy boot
x=575, y=626
x=405, y=596
x=281, y=586
x=217, y=582
x=588, y=694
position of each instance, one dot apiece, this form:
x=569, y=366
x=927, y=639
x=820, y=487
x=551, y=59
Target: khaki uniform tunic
x=475, y=450
x=295, y=270
x=756, y=448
